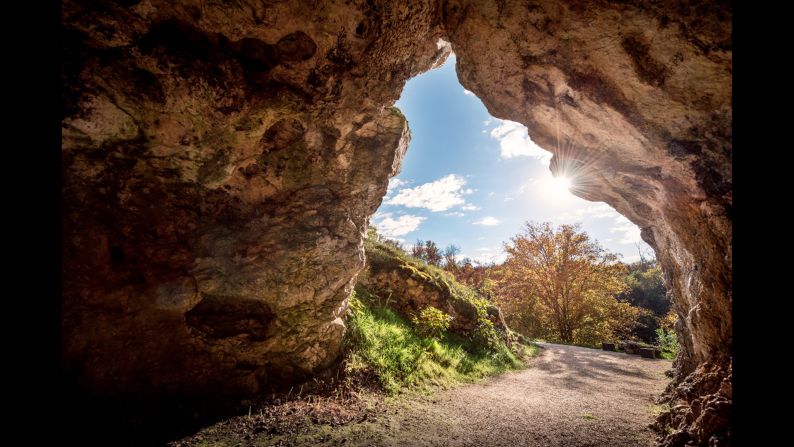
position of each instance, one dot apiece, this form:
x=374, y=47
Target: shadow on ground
x=92, y=420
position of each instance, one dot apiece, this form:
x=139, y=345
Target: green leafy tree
x=646, y=291
x=646, y=288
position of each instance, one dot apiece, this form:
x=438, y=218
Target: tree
x=450, y=257
x=480, y=277
x=418, y=250
x=427, y=251
x=432, y=253
x=646, y=288
x=563, y=285
x=646, y=291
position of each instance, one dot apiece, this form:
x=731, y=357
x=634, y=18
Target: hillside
x=412, y=325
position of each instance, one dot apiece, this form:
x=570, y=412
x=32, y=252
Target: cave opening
x=468, y=182
x=220, y=165
x=471, y=180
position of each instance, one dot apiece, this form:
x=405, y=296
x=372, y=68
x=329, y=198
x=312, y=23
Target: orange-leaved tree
x=563, y=286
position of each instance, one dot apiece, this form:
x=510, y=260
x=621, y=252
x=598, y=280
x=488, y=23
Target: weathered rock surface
x=408, y=287
x=634, y=100
x=220, y=162
x=409, y=295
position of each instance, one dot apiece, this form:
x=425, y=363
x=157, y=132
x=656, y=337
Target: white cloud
x=488, y=221
x=630, y=233
x=469, y=207
x=530, y=184
x=467, y=93
x=514, y=142
x=393, y=228
x=487, y=122
x=598, y=211
x=486, y=255
x=455, y=214
x=627, y=232
x=440, y=195
x=395, y=183
x=630, y=259
x=509, y=199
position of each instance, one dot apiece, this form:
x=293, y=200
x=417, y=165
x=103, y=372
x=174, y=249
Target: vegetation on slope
x=384, y=255
x=559, y=285
x=398, y=355
x=476, y=317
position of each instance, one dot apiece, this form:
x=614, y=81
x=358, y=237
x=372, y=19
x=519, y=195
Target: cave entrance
x=220, y=163
x=471, y=180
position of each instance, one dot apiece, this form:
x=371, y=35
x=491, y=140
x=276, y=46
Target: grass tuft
x=656, y=409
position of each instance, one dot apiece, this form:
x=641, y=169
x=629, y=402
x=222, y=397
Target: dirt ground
x=568, y=396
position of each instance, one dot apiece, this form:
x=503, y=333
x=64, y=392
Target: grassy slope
x=385, y=345
x=385, y=256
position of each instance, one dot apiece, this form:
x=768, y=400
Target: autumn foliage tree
x=427, y=251
x=561, y=285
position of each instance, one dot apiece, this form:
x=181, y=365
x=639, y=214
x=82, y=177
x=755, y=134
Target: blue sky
x=472, y=180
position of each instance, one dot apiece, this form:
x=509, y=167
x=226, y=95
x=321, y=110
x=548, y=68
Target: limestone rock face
x=634, y=100
x=409, y=287
x=220, y=162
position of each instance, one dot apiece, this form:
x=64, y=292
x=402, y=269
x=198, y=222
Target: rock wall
x=409, y=295
x=634, y=100
x=408, y=286
x=220, y=162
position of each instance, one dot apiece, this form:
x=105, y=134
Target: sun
x=556, y=191
x=559, y=187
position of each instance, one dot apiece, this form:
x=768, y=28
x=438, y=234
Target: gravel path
x=569, y=396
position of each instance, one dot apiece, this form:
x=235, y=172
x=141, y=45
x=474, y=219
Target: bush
x=486, y=335
x=667, y=341
x=432, y=322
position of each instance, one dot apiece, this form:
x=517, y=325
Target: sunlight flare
x=556, y=189
x=560, y=186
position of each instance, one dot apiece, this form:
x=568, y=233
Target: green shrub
x=486, y=334
x=668, y=342
x=432, y=322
